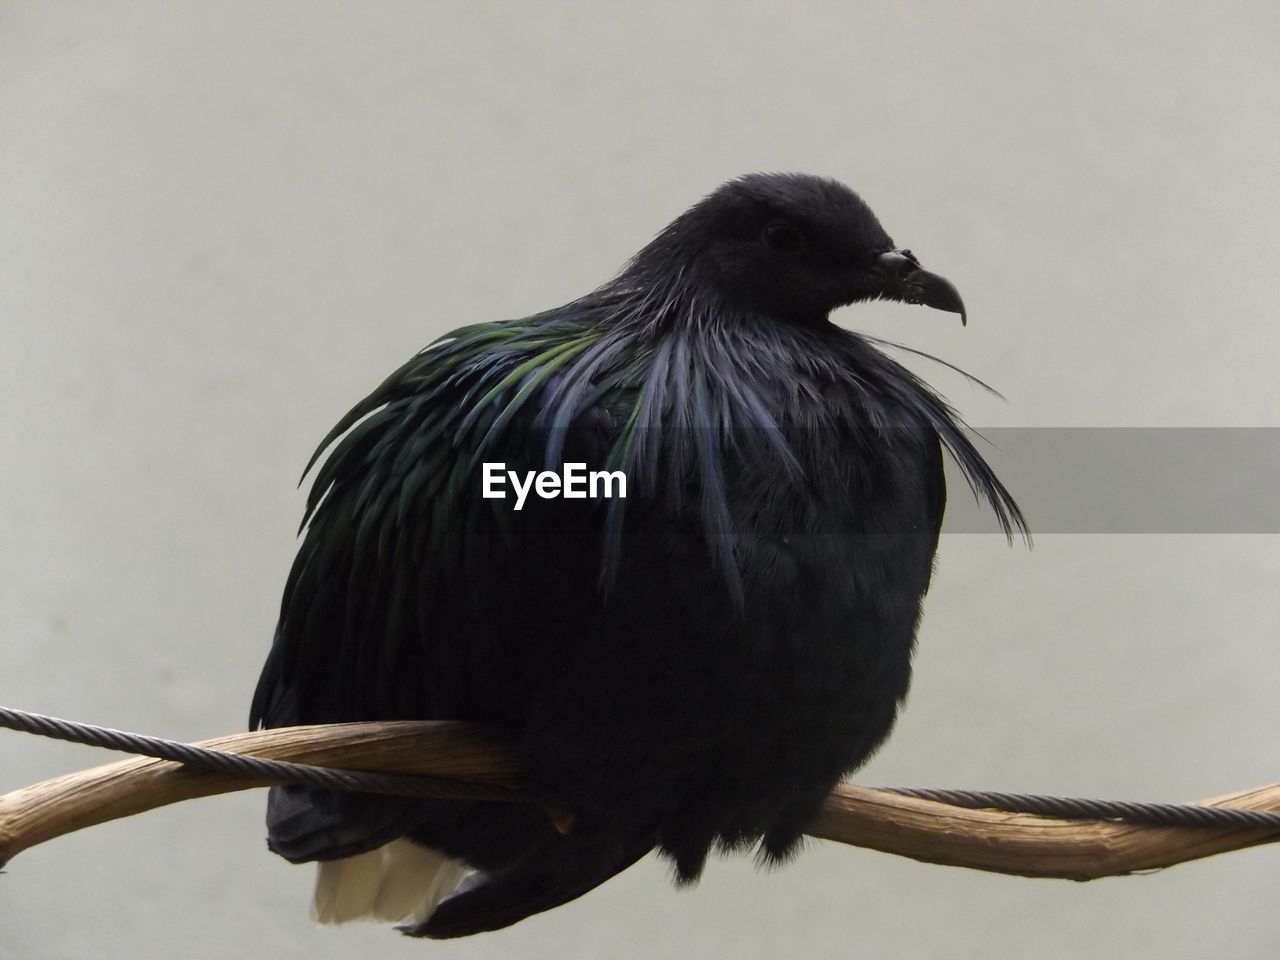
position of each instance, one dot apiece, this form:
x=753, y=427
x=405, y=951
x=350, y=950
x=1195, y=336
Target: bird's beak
x=904, y=279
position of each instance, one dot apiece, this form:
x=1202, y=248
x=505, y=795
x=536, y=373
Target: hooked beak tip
x=905, y=279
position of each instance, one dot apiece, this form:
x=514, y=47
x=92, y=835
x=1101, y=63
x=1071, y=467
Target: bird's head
x=793, y=247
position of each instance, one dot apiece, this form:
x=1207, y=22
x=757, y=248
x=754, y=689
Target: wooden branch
x=49, y=809
x=1023, y=844
x=1019, y=844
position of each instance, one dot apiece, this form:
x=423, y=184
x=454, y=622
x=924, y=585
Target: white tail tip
x=400, y=882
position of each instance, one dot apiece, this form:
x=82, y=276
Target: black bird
x=692, y=666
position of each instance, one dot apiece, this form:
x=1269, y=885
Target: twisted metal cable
x=443, y=788
x=1124, y=811
x=282, y=771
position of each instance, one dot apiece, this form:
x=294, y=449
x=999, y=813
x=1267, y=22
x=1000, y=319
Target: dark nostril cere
x=897, y=263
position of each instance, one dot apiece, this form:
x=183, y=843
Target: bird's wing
x=390, y=596
x=414, y=597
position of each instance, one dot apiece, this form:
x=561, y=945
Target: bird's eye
x=782, y=238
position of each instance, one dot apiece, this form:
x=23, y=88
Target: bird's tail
x=562, y=872
x=398, y=882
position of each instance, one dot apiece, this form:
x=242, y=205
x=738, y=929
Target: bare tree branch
x=924, y=830
x=1024, y=844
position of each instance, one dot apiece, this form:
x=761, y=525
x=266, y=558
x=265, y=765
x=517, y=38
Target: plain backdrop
x=221, y=224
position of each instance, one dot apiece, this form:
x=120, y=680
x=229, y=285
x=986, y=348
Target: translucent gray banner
x=1129, y=480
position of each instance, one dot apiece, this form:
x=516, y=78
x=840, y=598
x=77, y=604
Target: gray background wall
x=222, y=223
